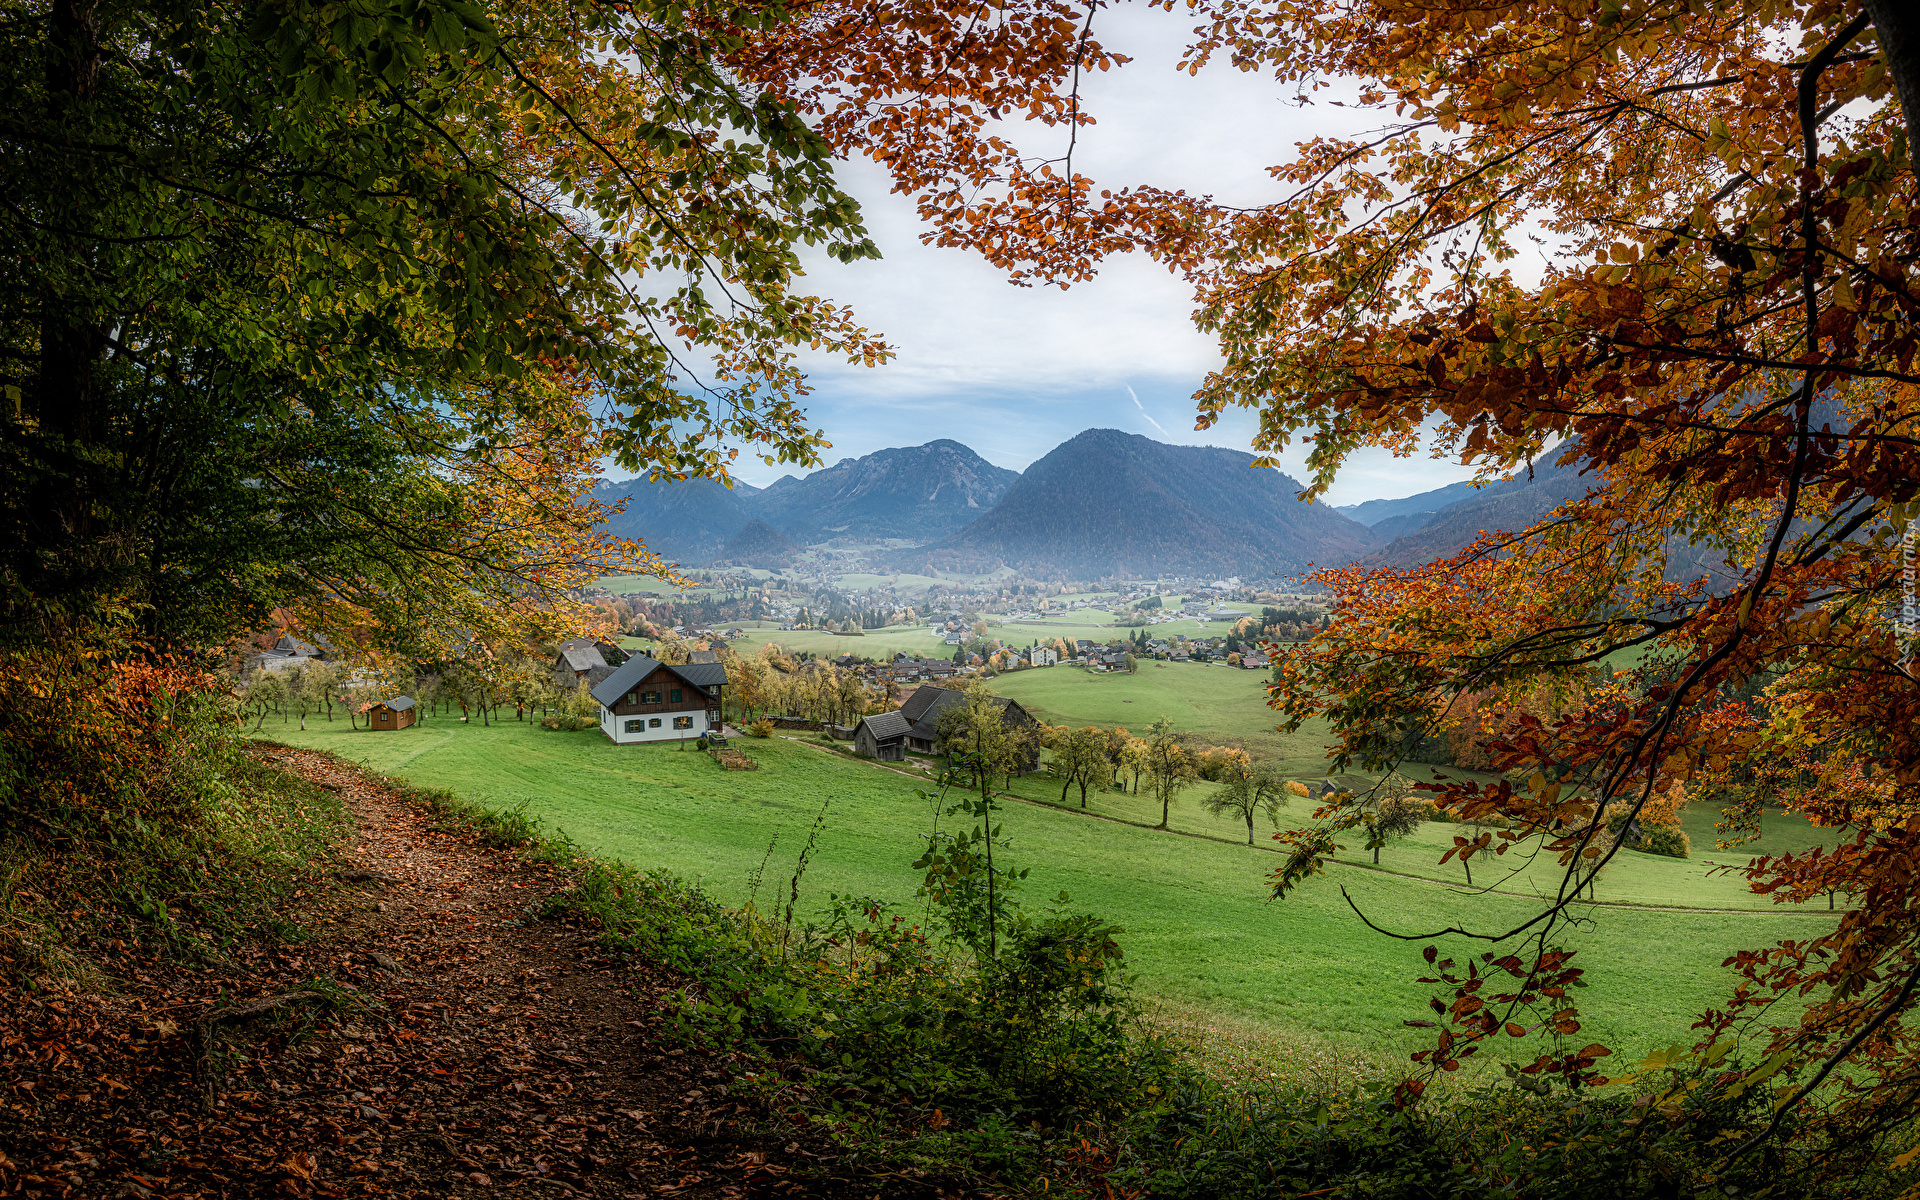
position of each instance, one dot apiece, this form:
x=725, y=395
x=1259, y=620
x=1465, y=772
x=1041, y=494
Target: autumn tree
x=1247, y=790
x=1720, y=336
x=1169, y=768
x=1080, y=757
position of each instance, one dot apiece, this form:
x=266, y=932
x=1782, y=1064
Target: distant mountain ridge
x=685, y=521
x=1415, y=537
x=911, y=493
x=918, y=493
x=757, y=545
x=1106, y=502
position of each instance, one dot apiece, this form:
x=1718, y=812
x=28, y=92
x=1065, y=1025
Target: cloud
x=1013, y=371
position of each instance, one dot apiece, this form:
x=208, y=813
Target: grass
x=1201, y=933
x=1224, y=703
x=874, y=643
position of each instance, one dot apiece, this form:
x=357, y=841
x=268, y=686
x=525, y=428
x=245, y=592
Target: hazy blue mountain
x=916, y=493
x=1512, y=508
x=757, y=544
x=1424, y=504
x=685, y=522
x=919, y=493
x=1112, y=503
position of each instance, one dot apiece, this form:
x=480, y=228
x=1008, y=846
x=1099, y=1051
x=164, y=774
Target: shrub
x=700, y=743
x=1655, y=838
x=761, y=729
x=568, y=723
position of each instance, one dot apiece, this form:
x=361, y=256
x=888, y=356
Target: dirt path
x=488, y=1049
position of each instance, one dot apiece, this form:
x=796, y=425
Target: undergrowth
x=1029, y=1070
x=135, y=823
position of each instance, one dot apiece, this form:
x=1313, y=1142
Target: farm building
x=645, y=700
x=397, y=713
x=883, y=737
x=585, y=658
x=923, y=708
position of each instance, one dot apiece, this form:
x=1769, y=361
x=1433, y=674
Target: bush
x=700, y=743
x=568, y=723
x=1669, y=840
x=762, y=728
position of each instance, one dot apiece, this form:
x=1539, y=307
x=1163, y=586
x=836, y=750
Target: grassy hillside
x=1219, y=702
x=1201, y=931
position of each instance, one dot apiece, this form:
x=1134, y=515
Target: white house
x=649, y=701
x=1042, y=656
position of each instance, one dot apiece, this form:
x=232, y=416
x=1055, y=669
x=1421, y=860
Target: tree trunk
x=1249, y=827
x=1896, y=25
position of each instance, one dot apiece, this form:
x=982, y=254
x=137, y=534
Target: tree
x=1392, y=817
x=1133, y=759
x=266, y=692
x=1723, y=341
x=982, y=744
x=1169, y=768
x=292, y=302
x=1080, y=757
x=1249, y=789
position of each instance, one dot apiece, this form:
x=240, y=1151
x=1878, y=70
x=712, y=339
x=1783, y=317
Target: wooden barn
x=397, y=713
x=883, y=737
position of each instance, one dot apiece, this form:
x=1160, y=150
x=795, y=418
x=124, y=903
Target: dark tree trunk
x=1896, y=25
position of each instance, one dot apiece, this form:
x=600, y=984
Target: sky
x=1012, y=372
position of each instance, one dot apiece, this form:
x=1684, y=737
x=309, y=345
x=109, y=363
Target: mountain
x=685, y=521
x=1111, y=503
x=1373, y=513
x=916, y=493
x=1517, y=503
x=757, y=544
x=919, y=493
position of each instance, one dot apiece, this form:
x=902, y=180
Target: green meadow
x=1302, y=976
x=1224, y=703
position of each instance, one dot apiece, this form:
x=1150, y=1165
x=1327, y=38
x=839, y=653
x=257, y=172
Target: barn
x=646, y=700
x=883, y=736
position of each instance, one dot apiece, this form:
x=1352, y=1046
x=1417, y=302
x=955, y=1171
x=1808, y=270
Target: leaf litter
x=435, y=1037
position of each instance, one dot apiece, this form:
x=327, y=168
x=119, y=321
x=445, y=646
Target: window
x=675, y=695
x=633, y=697
x=655, y=723
x=649, y=697
x=636, y=726
x=683, y=722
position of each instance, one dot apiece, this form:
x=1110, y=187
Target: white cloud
x=1014, y=371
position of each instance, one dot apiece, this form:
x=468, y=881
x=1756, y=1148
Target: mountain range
x=1106, y=502
x=1102, y=503
x=912, y=493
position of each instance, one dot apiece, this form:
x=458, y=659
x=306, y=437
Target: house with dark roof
x=923, y=708
x=287, y=653
x=883, y=736
x=645, y=700
x=578, y=659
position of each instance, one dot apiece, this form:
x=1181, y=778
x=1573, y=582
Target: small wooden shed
x=883, y=737
x=397, y=713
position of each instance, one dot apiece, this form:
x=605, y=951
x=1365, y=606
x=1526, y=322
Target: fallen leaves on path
x=466, y=1046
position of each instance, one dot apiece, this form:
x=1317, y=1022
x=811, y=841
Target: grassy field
x=1201, y=933
x=874, y=643
x=1223, y=703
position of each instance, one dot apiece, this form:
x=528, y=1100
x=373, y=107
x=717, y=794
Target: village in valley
x=728, y=649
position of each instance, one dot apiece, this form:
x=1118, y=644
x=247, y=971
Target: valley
x=1303, y=978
